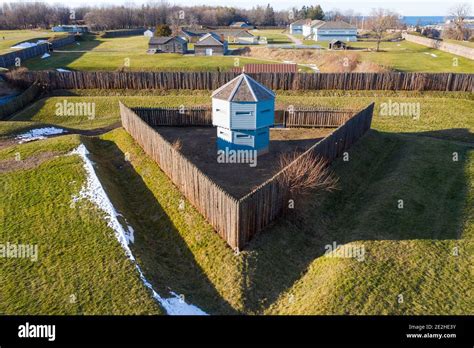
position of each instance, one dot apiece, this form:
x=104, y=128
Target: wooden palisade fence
x=213, y=202
x=291, y=117
x=235, y=220
x=266, y=202
x=315, y=117
x=20, y=101
x=10, y=58
x=211, y=80
x=196, y=116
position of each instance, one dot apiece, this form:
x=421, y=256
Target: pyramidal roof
x=243, y=88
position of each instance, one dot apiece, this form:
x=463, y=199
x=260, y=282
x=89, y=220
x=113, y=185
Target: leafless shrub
x=306, y=174
x=177, y=145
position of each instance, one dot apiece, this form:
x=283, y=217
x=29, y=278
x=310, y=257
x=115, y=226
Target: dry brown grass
x=306, y=174
x=343, y=61
x=177, y=145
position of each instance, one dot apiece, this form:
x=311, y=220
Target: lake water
x=424, y=20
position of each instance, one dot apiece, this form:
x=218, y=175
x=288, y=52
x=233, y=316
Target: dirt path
x=23, y=164
x=295, y=40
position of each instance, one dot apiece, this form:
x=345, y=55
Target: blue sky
x=404, y=7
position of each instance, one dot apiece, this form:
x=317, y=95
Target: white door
x=208, y=51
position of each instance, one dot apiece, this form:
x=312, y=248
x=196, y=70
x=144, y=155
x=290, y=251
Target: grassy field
x=408, y=252
x=445, y=115
x=273, y=36
x=9, y=38
x=77, y=253
x=405, y=56
x=96, y=53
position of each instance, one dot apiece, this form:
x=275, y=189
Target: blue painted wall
x=252, y=139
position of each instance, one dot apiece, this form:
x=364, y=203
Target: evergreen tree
x=269, y=16
x=162, y=30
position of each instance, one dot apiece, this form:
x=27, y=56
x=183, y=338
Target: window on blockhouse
x=243, y=113
x=266, y=110
x=243, y=136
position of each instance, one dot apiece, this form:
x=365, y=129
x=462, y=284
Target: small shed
x=148, y=33
x=337, y=45
x=210, y=44
x=243, y=110
x=168, y=44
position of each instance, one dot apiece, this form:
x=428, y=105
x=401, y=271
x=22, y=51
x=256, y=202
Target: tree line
x=26, y=15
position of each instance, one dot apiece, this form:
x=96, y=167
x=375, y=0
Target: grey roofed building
x=192, y=33
x=168, y=44
x=335, y=25
x=301, y=21
x=210, y=39
x=210, y=44
x=243, y=88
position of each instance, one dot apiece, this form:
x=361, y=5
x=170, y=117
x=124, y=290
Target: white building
x=148, y=33
x=308, y=28
x=328, y=31
x=297, y=27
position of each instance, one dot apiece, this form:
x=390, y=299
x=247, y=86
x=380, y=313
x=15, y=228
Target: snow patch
x=62, y=70
x=46, y=55
x=29, y=44
x=94, y=192
x=433, y=55
x=38, y=134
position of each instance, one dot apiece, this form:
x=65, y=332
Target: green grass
x=408, y=251
x=284, y=270
x=287, y=259
x=175, y=248
x=411, y=57
x=56, y=145
x=404, y=56
x=274, y=36
x=443, y=115
x=77, y=253
x=96, y=53
x=9, y=38
x=109, y=54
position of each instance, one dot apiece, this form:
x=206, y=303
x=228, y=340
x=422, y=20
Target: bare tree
x=380, y=21
x=459, y=13
x=306, y=173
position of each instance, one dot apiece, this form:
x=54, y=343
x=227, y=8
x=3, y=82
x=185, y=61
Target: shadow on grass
x=382, y=169
x=454, y=134
x=165, y=258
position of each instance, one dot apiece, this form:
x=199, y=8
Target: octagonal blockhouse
x=243, y=110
